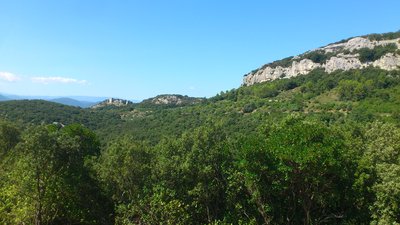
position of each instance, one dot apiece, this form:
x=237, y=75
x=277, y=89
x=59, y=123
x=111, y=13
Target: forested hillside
x=314, y=149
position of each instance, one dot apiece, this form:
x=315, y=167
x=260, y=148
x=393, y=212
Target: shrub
x=289, y=85
x=286, y=62
x=351, y=90
x=268, y=91
x=317, y=56
x=369, y=55
x=385, y=36
x=248, y=108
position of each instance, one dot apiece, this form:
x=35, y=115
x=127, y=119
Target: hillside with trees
x=321, y=148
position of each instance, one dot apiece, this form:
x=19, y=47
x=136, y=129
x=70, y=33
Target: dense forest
x=314, y=149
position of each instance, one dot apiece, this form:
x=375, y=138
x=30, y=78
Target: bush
x=370, y=55
x=248, y=108
x=351, y=90
x=268, y=91
x=317, y=56
x=289, y=85
x=366, y=55
x=386, y=36
x=286, y=62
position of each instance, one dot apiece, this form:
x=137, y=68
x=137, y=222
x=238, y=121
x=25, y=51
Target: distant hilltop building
x=116, y=101
x=113, y=102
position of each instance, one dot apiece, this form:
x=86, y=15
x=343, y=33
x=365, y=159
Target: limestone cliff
x=354, y=53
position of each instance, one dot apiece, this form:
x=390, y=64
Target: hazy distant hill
x=41, y=111
x=77, y=101
x=3, y=98
x=87, y=98
x=73, y=102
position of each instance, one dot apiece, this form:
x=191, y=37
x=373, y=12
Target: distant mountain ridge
x=77, y=101
x=73, y=102
x=3, y=98
x=377, y=50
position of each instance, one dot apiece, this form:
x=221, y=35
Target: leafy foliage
x=381, y=167
x=305, y=150
x=317, y=56
x=384, y=36
x=282, y=63
x=46, y=181
x=370, y=55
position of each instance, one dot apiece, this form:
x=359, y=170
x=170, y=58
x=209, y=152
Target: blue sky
x=138, y=49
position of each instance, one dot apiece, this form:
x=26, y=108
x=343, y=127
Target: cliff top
x=378, y=50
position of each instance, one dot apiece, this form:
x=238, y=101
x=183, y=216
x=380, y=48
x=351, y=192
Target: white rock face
x=303, y=67
x=298, y=68
x=357, y=43
x=341, y=61
x=388, y=62
x=167, y=100
x=173, y=100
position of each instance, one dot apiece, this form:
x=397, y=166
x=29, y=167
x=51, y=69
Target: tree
x=47, y=182
x=124, y=169
x=9, y=138
x=84, y=199
x=317, y=56
x=380, y=172
x=268, y=91
x=191, y=171
x=298, y=175
x=31, y=181
x=353, y=90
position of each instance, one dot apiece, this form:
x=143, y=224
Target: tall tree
x=380, y=172
x=48, y=183
x=124, y=169
x=298, y=174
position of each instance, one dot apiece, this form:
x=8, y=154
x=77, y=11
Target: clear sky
x=136, y=49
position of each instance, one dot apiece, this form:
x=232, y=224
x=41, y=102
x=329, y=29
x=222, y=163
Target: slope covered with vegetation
x=314, y=149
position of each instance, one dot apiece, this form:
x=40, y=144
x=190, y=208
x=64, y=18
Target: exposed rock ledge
x=340, y=61
x=167, y=100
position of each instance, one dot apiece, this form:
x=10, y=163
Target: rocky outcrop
x=340, y=56
x=388, y=62
x=167, y=100
x=172, y=100
x=344, y=62
x=112, y=102
x=298, y=68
